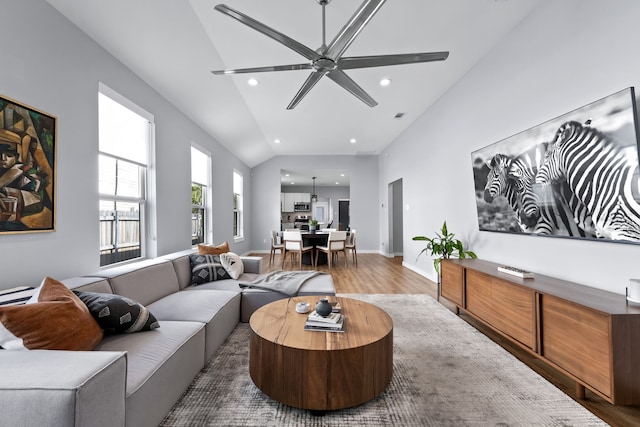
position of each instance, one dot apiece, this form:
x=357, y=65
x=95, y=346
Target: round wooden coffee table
x=321, y=370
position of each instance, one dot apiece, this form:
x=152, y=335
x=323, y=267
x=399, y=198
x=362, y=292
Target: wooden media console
x=591, y=335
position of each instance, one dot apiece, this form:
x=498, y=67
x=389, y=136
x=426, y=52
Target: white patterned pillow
x=232, y=263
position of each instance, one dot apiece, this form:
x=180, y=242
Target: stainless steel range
x=301, y=220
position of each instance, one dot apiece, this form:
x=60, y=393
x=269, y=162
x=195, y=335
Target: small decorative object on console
x=516, y=272
x=324, y=308
x=633, y=291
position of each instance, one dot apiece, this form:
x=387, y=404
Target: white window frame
x=147, y=199
x=207, y=195
x=238, y=205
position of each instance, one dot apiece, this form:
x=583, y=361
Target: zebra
x=507, y=177
x=514, y=178
x=600, y=177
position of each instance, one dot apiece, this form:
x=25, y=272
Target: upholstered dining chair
x=335, y=245
x=350, y=245
x=276, y=245
x=293, y=245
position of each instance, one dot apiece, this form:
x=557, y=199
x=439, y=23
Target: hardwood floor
x=376, y=274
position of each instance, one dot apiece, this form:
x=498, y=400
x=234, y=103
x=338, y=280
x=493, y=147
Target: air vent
x=399, y=115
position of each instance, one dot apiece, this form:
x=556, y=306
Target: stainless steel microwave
x=301, y=207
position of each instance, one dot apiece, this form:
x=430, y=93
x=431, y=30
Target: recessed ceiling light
x=337, y=183
x=385, y=82
x=352, y=140
x=341, y=174
x=277, y=141
x=252, y=82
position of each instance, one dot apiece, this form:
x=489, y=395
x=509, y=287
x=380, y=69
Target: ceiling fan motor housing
x=324, y=64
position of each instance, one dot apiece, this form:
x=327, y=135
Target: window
x=200, y=195
x=238, y=227
x=124, y=144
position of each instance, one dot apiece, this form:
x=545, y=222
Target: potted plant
x=313, y=224
x=443, y=246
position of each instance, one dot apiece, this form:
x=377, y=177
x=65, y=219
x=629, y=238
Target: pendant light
x=314, y=196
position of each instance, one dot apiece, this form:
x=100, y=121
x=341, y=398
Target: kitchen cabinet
x=288, y=200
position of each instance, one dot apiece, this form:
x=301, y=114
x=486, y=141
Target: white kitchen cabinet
x=288, y=200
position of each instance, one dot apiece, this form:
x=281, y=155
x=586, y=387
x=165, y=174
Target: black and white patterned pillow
x=117, y=314
x=207, y=268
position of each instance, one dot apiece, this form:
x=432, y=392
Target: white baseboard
x=420, y=272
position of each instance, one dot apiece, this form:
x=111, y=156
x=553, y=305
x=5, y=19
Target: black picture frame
x=28, y=139
x=511, y=176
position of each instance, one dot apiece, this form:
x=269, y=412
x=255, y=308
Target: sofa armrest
x=252, y=264
x=62, y=388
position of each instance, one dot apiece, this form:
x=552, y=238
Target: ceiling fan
x=328, y=60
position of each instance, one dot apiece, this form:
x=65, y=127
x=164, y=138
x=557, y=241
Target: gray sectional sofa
x=134, y=379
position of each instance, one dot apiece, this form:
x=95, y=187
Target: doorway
x=344, y=220
x=395, y=226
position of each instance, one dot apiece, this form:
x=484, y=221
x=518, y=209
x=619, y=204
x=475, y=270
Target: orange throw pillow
x=58, y=320
x=213, y=250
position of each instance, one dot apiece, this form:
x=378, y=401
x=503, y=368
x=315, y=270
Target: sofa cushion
x=88, y=284
x=160, y=366
x=213, y=249
x=233, y=264
x=117, y=314
x=62, y=388
x=218, y=310
x=144, y=281
x=206, y=268
x=53, y=319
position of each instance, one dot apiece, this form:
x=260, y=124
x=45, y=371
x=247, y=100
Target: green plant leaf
x=443, y=246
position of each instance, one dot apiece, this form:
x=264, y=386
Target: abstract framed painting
x=575, y=176
x=27, y=168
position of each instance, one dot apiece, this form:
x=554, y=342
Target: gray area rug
x=446, y=373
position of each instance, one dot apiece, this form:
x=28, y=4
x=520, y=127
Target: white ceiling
x=173, y=46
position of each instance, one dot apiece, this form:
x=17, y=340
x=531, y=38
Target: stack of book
x=331, y=323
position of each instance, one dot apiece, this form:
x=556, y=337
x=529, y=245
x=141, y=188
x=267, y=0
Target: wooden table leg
x=580, y=391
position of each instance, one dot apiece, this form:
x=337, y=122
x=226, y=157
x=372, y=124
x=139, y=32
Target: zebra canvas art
x=573, y=176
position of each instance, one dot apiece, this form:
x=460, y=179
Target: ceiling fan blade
x=383, y=60
x=303, y=50
x=350, y=31
x=345, y=81
x=311, y=81
x=265, y=69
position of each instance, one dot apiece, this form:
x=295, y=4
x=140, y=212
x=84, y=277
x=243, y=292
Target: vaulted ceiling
x=174, y=46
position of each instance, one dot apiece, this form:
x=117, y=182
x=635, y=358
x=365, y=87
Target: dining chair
x=350, y=245
x=293, y=244
x=335, y=245
x=276, y=245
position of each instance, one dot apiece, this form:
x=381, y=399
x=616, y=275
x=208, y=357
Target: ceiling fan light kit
x=327, y=60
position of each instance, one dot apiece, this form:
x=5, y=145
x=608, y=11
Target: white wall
x=564, y=55
x=49, y=64
x=363, y=205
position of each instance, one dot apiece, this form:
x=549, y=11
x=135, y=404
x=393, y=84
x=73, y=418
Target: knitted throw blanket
x=284, y=282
